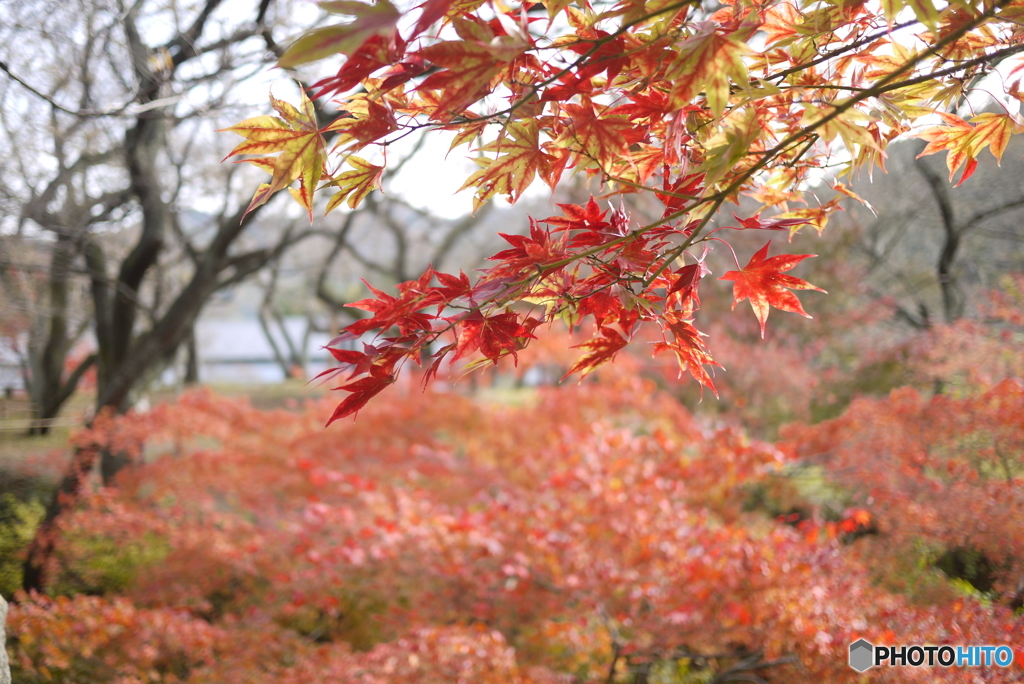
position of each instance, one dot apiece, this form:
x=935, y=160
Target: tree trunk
x=40, y=552
x=48, y=364
x=952, y=297
x=191, y=359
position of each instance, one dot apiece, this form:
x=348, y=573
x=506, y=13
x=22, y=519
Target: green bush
x=18, y=522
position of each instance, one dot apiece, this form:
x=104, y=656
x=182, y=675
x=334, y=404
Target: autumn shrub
x=18, y=522
x=975, y=353
x=941, y=477
x=596, y=532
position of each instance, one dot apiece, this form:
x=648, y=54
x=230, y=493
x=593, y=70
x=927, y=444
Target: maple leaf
x=468, y=70
x=374, y=54
x=356, y=184
x=301, y=146
x=686, y=281
x=511, y=173
x=756, y=223
x=576, y=217
x=361, y=392
x=676, y=195
x=536, y=250
x=965, y=141
x=403, y=312
x=648, y=106
x=605, y=139
x=763, y=283
x=453, y=287
x=365, y=120
x=816, y=217
x=431, y=11
x=360, y=361
x=605, y=54
x=691, y=353
x=493, y=336
x=705, y=62
x=369, y=20
x=600, y=350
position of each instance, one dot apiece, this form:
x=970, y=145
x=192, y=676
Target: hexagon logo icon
x=862, y=655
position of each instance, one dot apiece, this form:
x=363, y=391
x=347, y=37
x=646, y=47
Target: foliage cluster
x=689, y=103
x=942, y=474
x=591, y=533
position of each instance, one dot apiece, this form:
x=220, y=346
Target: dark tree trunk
x=40, y=552
x=191, y=359
x=952, y=296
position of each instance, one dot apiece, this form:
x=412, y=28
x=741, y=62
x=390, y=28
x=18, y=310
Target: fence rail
x=28, y=423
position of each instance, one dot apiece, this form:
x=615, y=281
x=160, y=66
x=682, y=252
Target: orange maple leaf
x=706, y=61
x=762, y=282
x=965, y=141
x=605, y=139
x=691, y=353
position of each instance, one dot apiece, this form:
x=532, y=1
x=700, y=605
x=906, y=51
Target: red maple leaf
x=493, y=336
x=686, y=282
x=600, y=350
x=362, y=391
x=376, y=53
x=676, y=195
x=536, y=250
x=762, y=282
x=577, y=217
x=755, y=222
x=405, y=312
x=690, y=351
x=452, y=287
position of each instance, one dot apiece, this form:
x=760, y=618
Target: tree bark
x=40, y=552
x=191, y=358
x=952, y=296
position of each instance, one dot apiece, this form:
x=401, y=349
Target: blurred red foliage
x=595, y=532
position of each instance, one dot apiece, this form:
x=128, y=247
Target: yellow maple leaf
x=520, y=157
x=355, y=185
x=297, y=141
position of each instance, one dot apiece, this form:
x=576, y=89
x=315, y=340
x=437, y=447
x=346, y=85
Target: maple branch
x=981, y=216
x=830, y=54
x=535, y=88
x=804, y=137
x=800, y=137
x=882, y=86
